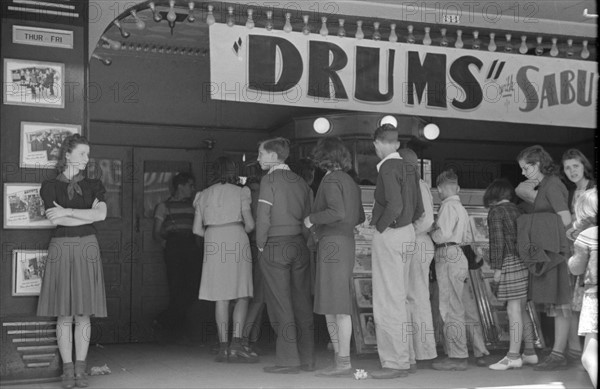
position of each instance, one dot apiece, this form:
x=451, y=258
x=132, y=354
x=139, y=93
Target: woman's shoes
x=68, y=376
x=530, y=359
x=242, y=354
x=506, y=363
x=81, y=380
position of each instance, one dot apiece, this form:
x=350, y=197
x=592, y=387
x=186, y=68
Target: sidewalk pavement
x=191, y=365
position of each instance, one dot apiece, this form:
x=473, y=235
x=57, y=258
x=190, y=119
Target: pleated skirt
x=514, y=279
x=73, y=282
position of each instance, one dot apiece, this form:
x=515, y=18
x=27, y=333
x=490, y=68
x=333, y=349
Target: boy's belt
x=439, y=245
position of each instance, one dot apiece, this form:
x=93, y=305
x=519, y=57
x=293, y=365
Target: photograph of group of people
x=33, y=83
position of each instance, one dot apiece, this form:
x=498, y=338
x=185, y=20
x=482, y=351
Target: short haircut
x=181, y=178
x=447, y=177
x=279, y=146
x=588, y=170
x=586, y=208
x=386, y=133
x=500, y=189
x=535, y=154
x=331, y=154
x=224, y=170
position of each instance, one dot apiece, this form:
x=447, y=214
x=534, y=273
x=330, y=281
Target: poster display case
x=492, y=313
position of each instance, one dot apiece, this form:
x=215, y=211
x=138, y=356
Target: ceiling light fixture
x=322, y=126
x=389, y=119
x=430, y=132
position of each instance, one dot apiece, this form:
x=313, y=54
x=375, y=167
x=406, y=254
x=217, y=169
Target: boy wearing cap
x=397, y=206
x=451, y=270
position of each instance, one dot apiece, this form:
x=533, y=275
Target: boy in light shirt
x=452, y=270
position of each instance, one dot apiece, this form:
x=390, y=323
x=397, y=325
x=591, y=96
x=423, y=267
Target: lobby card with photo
x=34, y=83
x=364, y=231
x=367, y=326
x=28, y=272
x=363, y=288
x=23, y=207
x=479, y=227
x=362, y=258
x=41, y=142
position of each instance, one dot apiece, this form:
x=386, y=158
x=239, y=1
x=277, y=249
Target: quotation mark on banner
x=497, y=75
x=237, y=48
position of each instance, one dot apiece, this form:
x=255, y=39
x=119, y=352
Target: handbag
x=471, y=257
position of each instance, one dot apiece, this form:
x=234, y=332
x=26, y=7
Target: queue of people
x=286, y=225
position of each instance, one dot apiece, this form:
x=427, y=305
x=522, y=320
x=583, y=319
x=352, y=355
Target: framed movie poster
x=479, y=227
x=23, y=207
x=362, y=258
x=34, y=83
x=364, y=292
x=363, y=321
x=367, y=327
x=40, y=143
x=28, y=272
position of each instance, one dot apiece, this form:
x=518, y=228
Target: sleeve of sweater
x=334, y=204
x=578, y=262
x=495, y=227
x=393, y=197
x=424, y=223
x=266, y=197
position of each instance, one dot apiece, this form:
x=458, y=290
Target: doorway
x=136, y=180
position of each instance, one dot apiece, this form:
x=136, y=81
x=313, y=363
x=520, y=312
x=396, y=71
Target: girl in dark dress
x=337, y=209
x=73, y=284
x=548, y=194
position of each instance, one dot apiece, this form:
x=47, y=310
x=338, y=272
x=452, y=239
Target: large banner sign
x=275, y=67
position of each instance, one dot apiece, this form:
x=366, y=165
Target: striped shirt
x=177, y=216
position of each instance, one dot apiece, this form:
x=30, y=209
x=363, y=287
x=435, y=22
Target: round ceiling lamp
x=389, y=119
x=322, y=126
x=431, y=131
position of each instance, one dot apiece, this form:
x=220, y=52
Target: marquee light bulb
x=171, y=16
x=585, y=53
x=157, y=17
x=341, y=29
x=191, y=17
x=459, y=44
x=139, y=23
x=288, y=24
x=393, y=36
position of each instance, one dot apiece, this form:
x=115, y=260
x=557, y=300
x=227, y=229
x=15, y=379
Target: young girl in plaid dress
x=510, y=272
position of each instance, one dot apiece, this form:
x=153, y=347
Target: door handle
x=137, y=223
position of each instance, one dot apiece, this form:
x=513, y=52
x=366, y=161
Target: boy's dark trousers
x=285, y=265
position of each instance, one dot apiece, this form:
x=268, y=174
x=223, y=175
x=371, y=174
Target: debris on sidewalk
x=102, y=370
x=360, y=374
